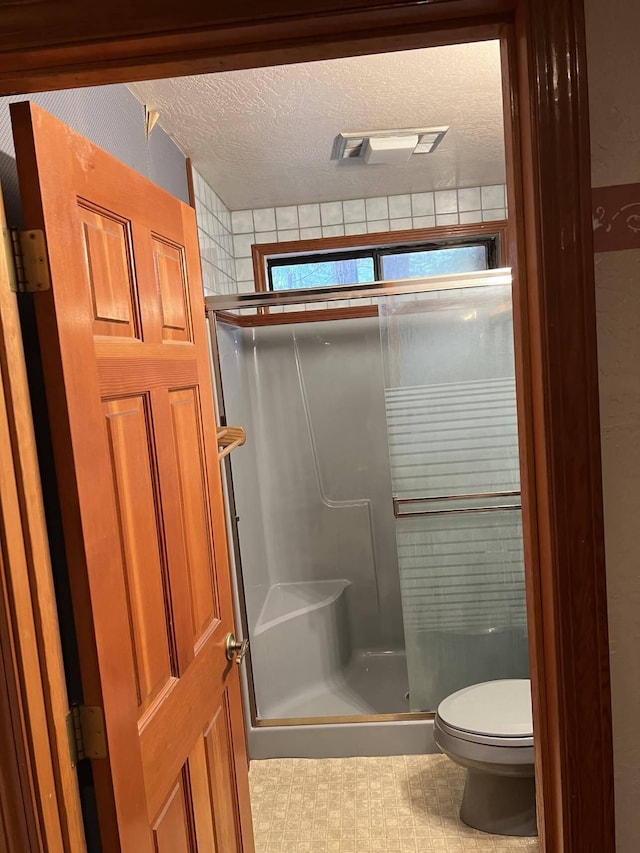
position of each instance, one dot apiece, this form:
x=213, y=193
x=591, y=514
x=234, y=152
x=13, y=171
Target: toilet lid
x=494, y=708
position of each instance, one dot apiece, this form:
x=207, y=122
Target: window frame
x=266, y=255
x=377, y=253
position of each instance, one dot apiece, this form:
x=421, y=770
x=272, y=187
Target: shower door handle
x=235, y=648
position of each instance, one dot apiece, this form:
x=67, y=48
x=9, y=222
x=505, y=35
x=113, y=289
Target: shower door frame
x=220, y=310
x=52, y=45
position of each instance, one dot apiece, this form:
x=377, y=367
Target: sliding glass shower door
x=453, y=445
x=375, y=506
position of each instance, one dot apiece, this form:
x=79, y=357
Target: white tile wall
x=469, y=199
x=308, y=215
x=331, y=213
x=376, y=208
x=359, y=216
x=446, y=201
x=492, y=197
x=286, y=217
x=242, y=221
x=216, y=239
x=422, y=204
x=399, y=206
x=353, y=210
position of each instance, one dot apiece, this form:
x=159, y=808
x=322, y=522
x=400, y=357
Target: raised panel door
x=125, y=355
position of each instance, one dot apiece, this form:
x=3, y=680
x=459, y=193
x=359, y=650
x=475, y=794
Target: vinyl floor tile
x=397, y=804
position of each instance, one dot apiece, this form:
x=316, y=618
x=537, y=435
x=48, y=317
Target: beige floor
x=403, y=804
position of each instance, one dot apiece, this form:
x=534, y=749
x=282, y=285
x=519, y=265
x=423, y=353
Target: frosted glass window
x=322, y=273
x=434, y=262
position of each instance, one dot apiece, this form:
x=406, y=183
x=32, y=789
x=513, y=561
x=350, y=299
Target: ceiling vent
x=387, y=146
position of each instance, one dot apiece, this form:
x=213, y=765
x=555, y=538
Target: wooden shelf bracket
x=228, y=439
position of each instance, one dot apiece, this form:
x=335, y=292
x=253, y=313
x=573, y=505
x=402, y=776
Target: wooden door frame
x=53, y=45
x=39, y=796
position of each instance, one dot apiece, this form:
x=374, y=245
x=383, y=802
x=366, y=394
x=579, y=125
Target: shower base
x=305, y=665
x=301, y=641
x=371, y=683
x=342, y=740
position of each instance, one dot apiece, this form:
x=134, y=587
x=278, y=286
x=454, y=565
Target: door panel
x=145, y=582
x=129, y=393
x=220, y=773
x=109, y=271
x=171, y=831
x=191, y=468
x=172, y=287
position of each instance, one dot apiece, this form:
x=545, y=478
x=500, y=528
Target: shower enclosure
x=375, y=507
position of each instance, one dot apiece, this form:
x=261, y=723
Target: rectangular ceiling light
x=388, y=150
x=358, y=146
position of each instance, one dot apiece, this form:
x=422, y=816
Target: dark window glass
x=434, y=262
x=322, y=273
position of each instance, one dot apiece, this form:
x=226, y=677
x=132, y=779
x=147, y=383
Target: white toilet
x=488, y=729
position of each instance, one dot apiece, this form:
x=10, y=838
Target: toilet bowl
x=488, y=730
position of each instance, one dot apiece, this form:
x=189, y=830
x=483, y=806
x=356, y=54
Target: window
x=321, y=272
x=383, y=263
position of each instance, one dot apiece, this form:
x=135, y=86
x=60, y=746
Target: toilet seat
x=486, y=740
x=495, y=713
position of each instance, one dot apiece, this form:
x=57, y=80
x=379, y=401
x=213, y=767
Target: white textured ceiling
x=263, y=137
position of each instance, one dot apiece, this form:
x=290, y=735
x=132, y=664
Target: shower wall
x=313, y=483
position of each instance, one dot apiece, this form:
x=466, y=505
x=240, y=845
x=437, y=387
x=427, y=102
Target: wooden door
x=125, y=356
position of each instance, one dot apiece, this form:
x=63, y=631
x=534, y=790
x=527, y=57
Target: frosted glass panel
x=463, y=602
x=451, y=417
x=409, y=264
x=327, y=273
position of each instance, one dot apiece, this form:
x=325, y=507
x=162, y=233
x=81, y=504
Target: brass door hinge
x=30, y=261
x=85, y=729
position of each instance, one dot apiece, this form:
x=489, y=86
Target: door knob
x=235, y=648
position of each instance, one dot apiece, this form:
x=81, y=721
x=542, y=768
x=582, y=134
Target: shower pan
x=375, y=507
